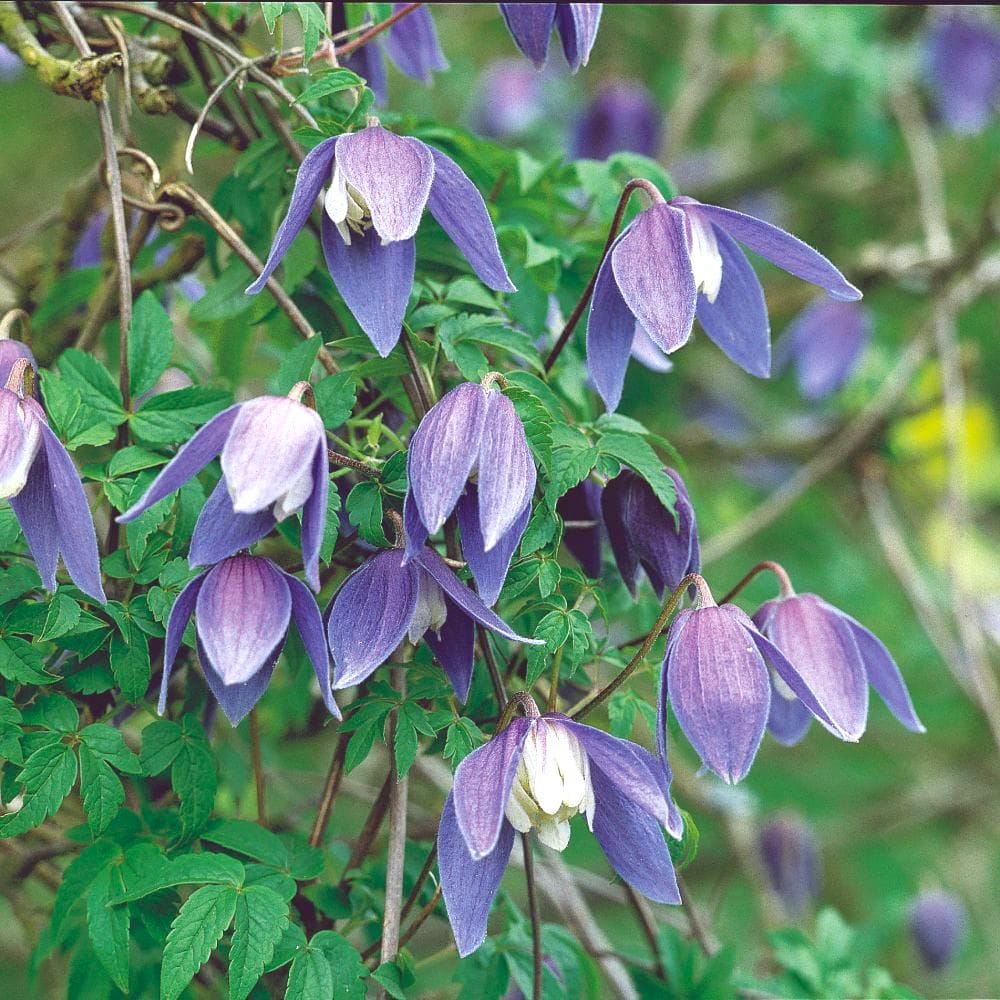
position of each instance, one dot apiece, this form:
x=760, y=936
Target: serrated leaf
x=108, y=927
x=158, y=872
x=554, y=630
x=261, y=919
x=108, y=742
x=249, y=839
x=150, y=343
x=62, y=616
x=193, y=777
x=334, y=82
x=364, y=511
x=196, y=930
x=78, y=876
x=161, y=743
x=405, y=744
x=637, y=453
x=101, y=789
x=47, y=778
x=130, y=663
x=388, y=976
x=540, y=531
x=96, y=385
x=171, y=417
x=310, y=976
x=22, y=663
x=335, y=398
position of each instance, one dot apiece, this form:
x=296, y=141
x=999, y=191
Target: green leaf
x=10, y=732
x=335, y=398
x=405, y=744
x=108, y=927
x=261, y=919
x=193, y=777
x=388, y=976
x=554, y=629
x=684, y=851
x=249, y=839
x=330, y=83
x=364, y=511
x=47, y=778
x=295, y=366
x=196, y=930
x=170, y=417
x=78, y=877
x=21, y=663
x=53, y=711
x=540, y=531
x=97, y=387
x=637, y=453
x=74, y=423
x=310, y=976
x=150, y=343
x=130, y=663
x=62, y=616
x=161, y=743
x=329, y=966
x=108, y=742
x=133, y=459
x=157, y=872
x=101, y=789
x=463, y=737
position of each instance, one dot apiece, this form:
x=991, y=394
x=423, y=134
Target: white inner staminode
x=552, y=785
x=300, y=492
x=346, y=207
x=781, y=687
x=430, y=610
x=20, y=444
x=706, y=261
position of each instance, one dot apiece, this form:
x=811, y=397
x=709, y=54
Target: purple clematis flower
x=242, y=608
x=39, y=478
x=838, y=658
x=963, y=64
x=622, y=117
x=643, y=532
x=679, y=259
x=472, y=430
x=531, y=24
x=394, y=595
x=510, y=100
x=274, y=462
x=580, y=509
x=715, y=674
x=378, y=185
x=937, y=926
x=537, y=774
x=791, y=860
x=11, y=66
x=824, y=342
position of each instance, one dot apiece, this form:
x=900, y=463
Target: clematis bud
x=242, y=608
x=531, y=24
x=274, y=463
x=622, y=117
x=937, y=926
x=472, y=431
x=643, y=532
x=791, y=859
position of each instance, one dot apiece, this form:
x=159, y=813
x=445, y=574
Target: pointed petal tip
x=850, y=293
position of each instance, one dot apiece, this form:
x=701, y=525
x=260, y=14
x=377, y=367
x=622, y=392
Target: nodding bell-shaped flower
x=40, y=480
x=791, y=860
x=824, y=344
x=838, y=658
x=242, y=608
x=377, y=187
x=681, y=258
x=623, y=116
x=937, y=927
x=392, y=596
x=473, y=430
x=580, y=509
x=531, y=24
x=715, y=674
x=643, y=532
x=274, y=463
x=537, y=774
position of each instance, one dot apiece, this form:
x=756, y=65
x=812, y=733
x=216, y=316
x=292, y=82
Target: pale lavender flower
x=11, y=66
x=510, y=100
x=242, y=608
x=378, y=185
x=537, y=774
x=938, y=924
x=679, y=259
x=623, y=116
x=791, y=860
x=531, y=24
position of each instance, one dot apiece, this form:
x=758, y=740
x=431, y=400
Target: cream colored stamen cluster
x=347, y=207
x=706, y=261
x=552, y=785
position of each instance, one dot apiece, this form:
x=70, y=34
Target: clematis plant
x=242, y=608
x=531, y=24
x=622, y=116
x=537, y=773
x=274, y=463
x=377, y=187
x=681, y=258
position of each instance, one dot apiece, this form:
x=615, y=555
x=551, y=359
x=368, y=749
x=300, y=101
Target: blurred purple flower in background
x=791, y=861
x=937, y=926
x=824, y=343
x=242, y=608
x=531, y=24
x=963, y=66
x=11, y=66
x=622, y=116
x=379, y=184
x=509, y=100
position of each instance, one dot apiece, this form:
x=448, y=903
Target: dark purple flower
x=242, y=608
x=531, y=24
x=791, y=860
x=392, y=596
x=537, y=774
x=622, y=117
x=715, y=672
x=679, y=259
x=963, y=62
x=509, y=101
x=643, y=532
x=937, y=927
x=580, y=509
x=824, y=342
x=379, y=184
x=87, y=252
x=472, y=430
x=274, y=462
x=39, y=478
x=838, y=658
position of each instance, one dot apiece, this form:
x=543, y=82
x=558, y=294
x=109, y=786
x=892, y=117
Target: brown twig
x=334, y=776
x=537, y=958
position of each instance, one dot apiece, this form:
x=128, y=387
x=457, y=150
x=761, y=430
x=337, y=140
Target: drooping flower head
x=537, y=774
x=791, y=860
x=937, y=926
x=580, y=509
x=242, y=608
x=274, y=463
x=377, y=187
x=510, y=99
x=531, y=24
x=824, y=343
x=392, y=597
x=622, y=117
x=679, y=259
x=39, y=478
x=472, y=431
x=644, y=533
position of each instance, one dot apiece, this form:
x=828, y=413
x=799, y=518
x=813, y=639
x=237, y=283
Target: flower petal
x=393, y=174
x=19, y=441
x=826, y=341
x=180, y=614
x=220, y=532
x=737, y=320
x=611, y=329
x=207, y=442
x=412, y=44
x=482, y=786
x=373, y=279
x=314, y=171
x=238, y=698
x=786, y=251
x=614, y=507
x=648, y=354
x=469, y=885
x=788, y=721
x=454, y=648
x=242, y=614
x=369, y=64
x=577, y=25
x=530, y=25
x=461, y=212
x=370, y=615
x=309, y=623
x=583, y=503
x=653, y=270
x=489, y=569
x=314, y=514
x=34, y=508
x=413, y=527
